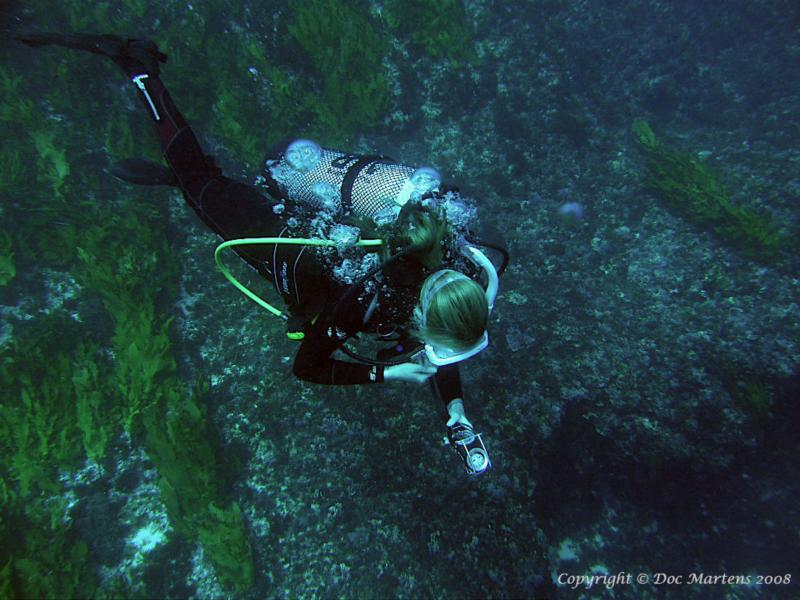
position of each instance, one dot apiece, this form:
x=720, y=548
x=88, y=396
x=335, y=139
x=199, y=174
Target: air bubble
x=303, y=155
x=425, y=179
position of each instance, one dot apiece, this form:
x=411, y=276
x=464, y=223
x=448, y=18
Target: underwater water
x=639, y=395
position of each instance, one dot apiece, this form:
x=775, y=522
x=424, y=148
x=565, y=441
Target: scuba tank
x=374, y=187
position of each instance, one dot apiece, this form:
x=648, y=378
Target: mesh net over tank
x=370, y=186
x=381, y=186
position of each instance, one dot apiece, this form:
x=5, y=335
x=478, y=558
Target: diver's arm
x=314, y=363
x=408, y=371
x=446, y=386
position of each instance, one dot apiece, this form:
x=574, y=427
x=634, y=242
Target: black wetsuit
x=234, y=210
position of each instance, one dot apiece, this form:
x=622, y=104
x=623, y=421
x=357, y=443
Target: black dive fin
x=143, y=172
x=105, y=44
x=126, y=52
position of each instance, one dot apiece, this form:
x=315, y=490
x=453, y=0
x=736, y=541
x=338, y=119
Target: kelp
x=347, y=52
x=38, y=432
x=692, y=189
x=40, y=439
x=8, y=268
x=171, y=419
x=440, y=28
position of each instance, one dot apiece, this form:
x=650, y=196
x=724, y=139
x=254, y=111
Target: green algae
x=692, y=189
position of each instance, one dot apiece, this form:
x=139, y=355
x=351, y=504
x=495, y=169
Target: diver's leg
x=180, y=146
x=140, y=59
x=232, y=209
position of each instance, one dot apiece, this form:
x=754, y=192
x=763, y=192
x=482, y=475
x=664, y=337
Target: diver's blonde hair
x=457, y=315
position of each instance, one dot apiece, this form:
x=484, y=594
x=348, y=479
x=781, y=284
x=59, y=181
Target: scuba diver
x=416, y=286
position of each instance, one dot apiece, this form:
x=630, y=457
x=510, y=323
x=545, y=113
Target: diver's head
x=422, y=228
x=452, y=315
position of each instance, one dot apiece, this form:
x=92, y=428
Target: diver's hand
x=408, y=372
x=456, y=411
